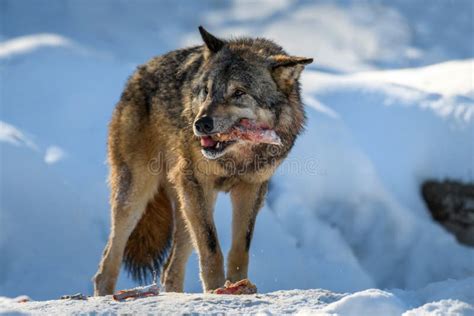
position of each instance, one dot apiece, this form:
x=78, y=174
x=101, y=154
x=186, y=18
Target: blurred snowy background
x=390, y=101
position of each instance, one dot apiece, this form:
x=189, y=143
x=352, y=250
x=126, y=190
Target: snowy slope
x=445, y=298
x=390, y=103
x=37, y=214
x=372, y=140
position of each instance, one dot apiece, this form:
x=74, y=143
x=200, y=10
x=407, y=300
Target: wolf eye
x=205, y=91
x=238, y=93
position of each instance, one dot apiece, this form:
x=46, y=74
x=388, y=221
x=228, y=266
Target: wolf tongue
x=207, y=141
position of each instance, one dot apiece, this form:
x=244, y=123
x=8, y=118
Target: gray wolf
x=189, y=124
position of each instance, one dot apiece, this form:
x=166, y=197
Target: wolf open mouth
x=214, y=146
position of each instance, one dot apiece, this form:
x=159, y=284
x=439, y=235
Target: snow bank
x=54, y=218
x=443, y=307
x=447, y=89
x=347, y=36
x=370, y=155
x=375, y=302
x=48, y=240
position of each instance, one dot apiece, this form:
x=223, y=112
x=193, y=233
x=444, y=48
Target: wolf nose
x=204, y=125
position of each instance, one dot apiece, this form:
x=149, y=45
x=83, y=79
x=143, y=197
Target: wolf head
x=246, y=98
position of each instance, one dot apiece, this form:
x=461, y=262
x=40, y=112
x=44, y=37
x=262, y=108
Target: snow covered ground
x=390, y=102
x=434, y=299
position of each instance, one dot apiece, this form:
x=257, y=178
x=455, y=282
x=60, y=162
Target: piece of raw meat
x=138, y=292
x=241, y=287
x=251, y=131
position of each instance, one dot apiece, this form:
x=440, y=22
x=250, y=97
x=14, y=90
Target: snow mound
x=375, y=302
x=443, y=307
x=54, y=154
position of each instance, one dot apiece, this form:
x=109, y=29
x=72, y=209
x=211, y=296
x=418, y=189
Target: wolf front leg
x=197, y=205
x=247, y=199
x=174, y=270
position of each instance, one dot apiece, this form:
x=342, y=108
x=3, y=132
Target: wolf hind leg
x=129, y=200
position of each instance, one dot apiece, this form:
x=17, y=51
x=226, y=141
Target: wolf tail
x=148, y=246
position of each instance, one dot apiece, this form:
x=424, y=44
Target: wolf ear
x=287, y=69
x=212, y=43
